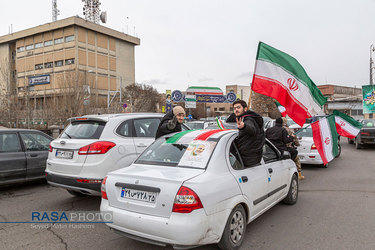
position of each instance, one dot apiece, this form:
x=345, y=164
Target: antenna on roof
x=92, y=12
x=55, y=11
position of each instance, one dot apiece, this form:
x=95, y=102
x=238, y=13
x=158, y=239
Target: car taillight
x=103, y=189
x=186, y=201
x=50, y=148
x=100, y=147
x=365, y=133
x=89, y=181
x=313, y=146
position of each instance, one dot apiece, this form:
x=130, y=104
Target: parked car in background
x=198, y=124
x=93, y=145
x=307, y=150
x=23, y=155
x=366, y=134
x=191, y=189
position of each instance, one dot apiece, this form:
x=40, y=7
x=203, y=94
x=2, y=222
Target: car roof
x=186, y=137
x=107, y=117
x=19, y=130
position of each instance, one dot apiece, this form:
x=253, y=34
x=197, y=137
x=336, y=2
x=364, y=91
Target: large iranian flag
x=281, y=77
x=346, y=125
x=326, y=138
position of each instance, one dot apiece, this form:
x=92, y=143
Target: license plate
x=64, y=154
x=138, y=195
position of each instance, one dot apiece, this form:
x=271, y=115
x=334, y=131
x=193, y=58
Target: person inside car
x=280, y=138
x=171, y=122
x=251, y=138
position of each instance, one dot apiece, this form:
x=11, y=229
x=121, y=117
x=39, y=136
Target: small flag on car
x=281, y=108
x=220, y=123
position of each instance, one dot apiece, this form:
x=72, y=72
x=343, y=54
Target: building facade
x=69, y=55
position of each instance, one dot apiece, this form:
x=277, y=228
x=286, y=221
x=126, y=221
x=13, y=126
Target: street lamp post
x=372, y=49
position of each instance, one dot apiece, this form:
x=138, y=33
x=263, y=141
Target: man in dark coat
x=280, y=138
x=171, y=122
x=250, y=139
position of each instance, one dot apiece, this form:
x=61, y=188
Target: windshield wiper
x=68, y=135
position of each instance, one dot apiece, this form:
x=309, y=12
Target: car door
x=36, y=150
x=12, y=158
x=277, y=170
x=253, y=181
x=144, y=132
x=126, y=147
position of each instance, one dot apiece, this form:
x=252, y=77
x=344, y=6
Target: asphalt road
x=335, y=210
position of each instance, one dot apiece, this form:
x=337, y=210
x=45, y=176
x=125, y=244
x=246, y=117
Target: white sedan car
x=191, y=188
x=307, y=151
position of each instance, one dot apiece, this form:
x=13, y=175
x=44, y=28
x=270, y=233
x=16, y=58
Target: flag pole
x=255, y=66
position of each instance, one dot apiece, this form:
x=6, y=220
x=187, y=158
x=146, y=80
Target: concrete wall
x=125, y=63
x=4, y=68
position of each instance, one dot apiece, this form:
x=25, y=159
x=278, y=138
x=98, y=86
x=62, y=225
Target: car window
x=35, y=142
x=83, y=130
x=269, y=153
x=368, y=123
x=235, y=158
x=146, y=127
x=9, y=143
x=195, y=125
x=124, y=129
x=304, y=132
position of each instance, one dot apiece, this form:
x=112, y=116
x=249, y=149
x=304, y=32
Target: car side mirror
x=299, y=138
x=286, y=155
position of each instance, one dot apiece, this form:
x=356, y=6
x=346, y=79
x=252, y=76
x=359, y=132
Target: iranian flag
x=281, y=108
x=219, y=123
x=346, y=125
x=326, y=138
x=281, y=77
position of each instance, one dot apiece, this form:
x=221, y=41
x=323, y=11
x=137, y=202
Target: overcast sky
x=214, y=42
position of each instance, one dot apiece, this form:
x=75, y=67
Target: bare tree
x=141, y=97
x=264, y=105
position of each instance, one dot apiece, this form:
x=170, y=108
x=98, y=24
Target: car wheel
x=357, y=145
x=292, y=196
x=339, y=151
x=75, y=193
x=235, y=229
x=325, y=166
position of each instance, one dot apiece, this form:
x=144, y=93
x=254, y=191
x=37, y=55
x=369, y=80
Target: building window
x=20, y=49
x=69, y=38
x=215, y=109
x=38, y=45
x=38, y=66
x=59, y=63
x=48, y=43
x=48, y=65
x=360, y=111
x=29, y=47
x=231, y=108
x=59, y=40
x=69, y=61
x=221, y=109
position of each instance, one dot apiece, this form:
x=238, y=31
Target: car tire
x=75, y=193
x=325, y=165
x=339, y=151
x=357, y=145
x=233, y=238
x=292, y=195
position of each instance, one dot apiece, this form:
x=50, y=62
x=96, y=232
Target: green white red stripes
x=281, y=77
x=219, y=123
x=281, y=108
x=194, y=135
x=346, y=125
x=197, y=90
x=326, y=138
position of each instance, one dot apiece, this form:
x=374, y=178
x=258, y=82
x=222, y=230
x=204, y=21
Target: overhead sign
x=211, y=98
x=198, y=90
x=368, y=99
x=38, y=80
x=177, y=96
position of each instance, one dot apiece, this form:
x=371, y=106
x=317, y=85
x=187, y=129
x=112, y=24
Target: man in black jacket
x=280, y=138
x=171, y=122
x=250, y=139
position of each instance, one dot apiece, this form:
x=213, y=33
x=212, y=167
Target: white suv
x=93, y=145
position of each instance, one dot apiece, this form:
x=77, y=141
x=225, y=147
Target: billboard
x=368, y=92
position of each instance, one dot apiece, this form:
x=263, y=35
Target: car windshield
x=167, y=152
x=83, y=130
x=368, y=123
x=304, y=132
x=195, y=125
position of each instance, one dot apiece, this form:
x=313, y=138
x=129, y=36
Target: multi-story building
x=66, y=56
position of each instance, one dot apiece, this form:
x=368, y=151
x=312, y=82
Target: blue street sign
x=231, y=97
x=190, y=117
x=177, y=96
x=125, y=105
